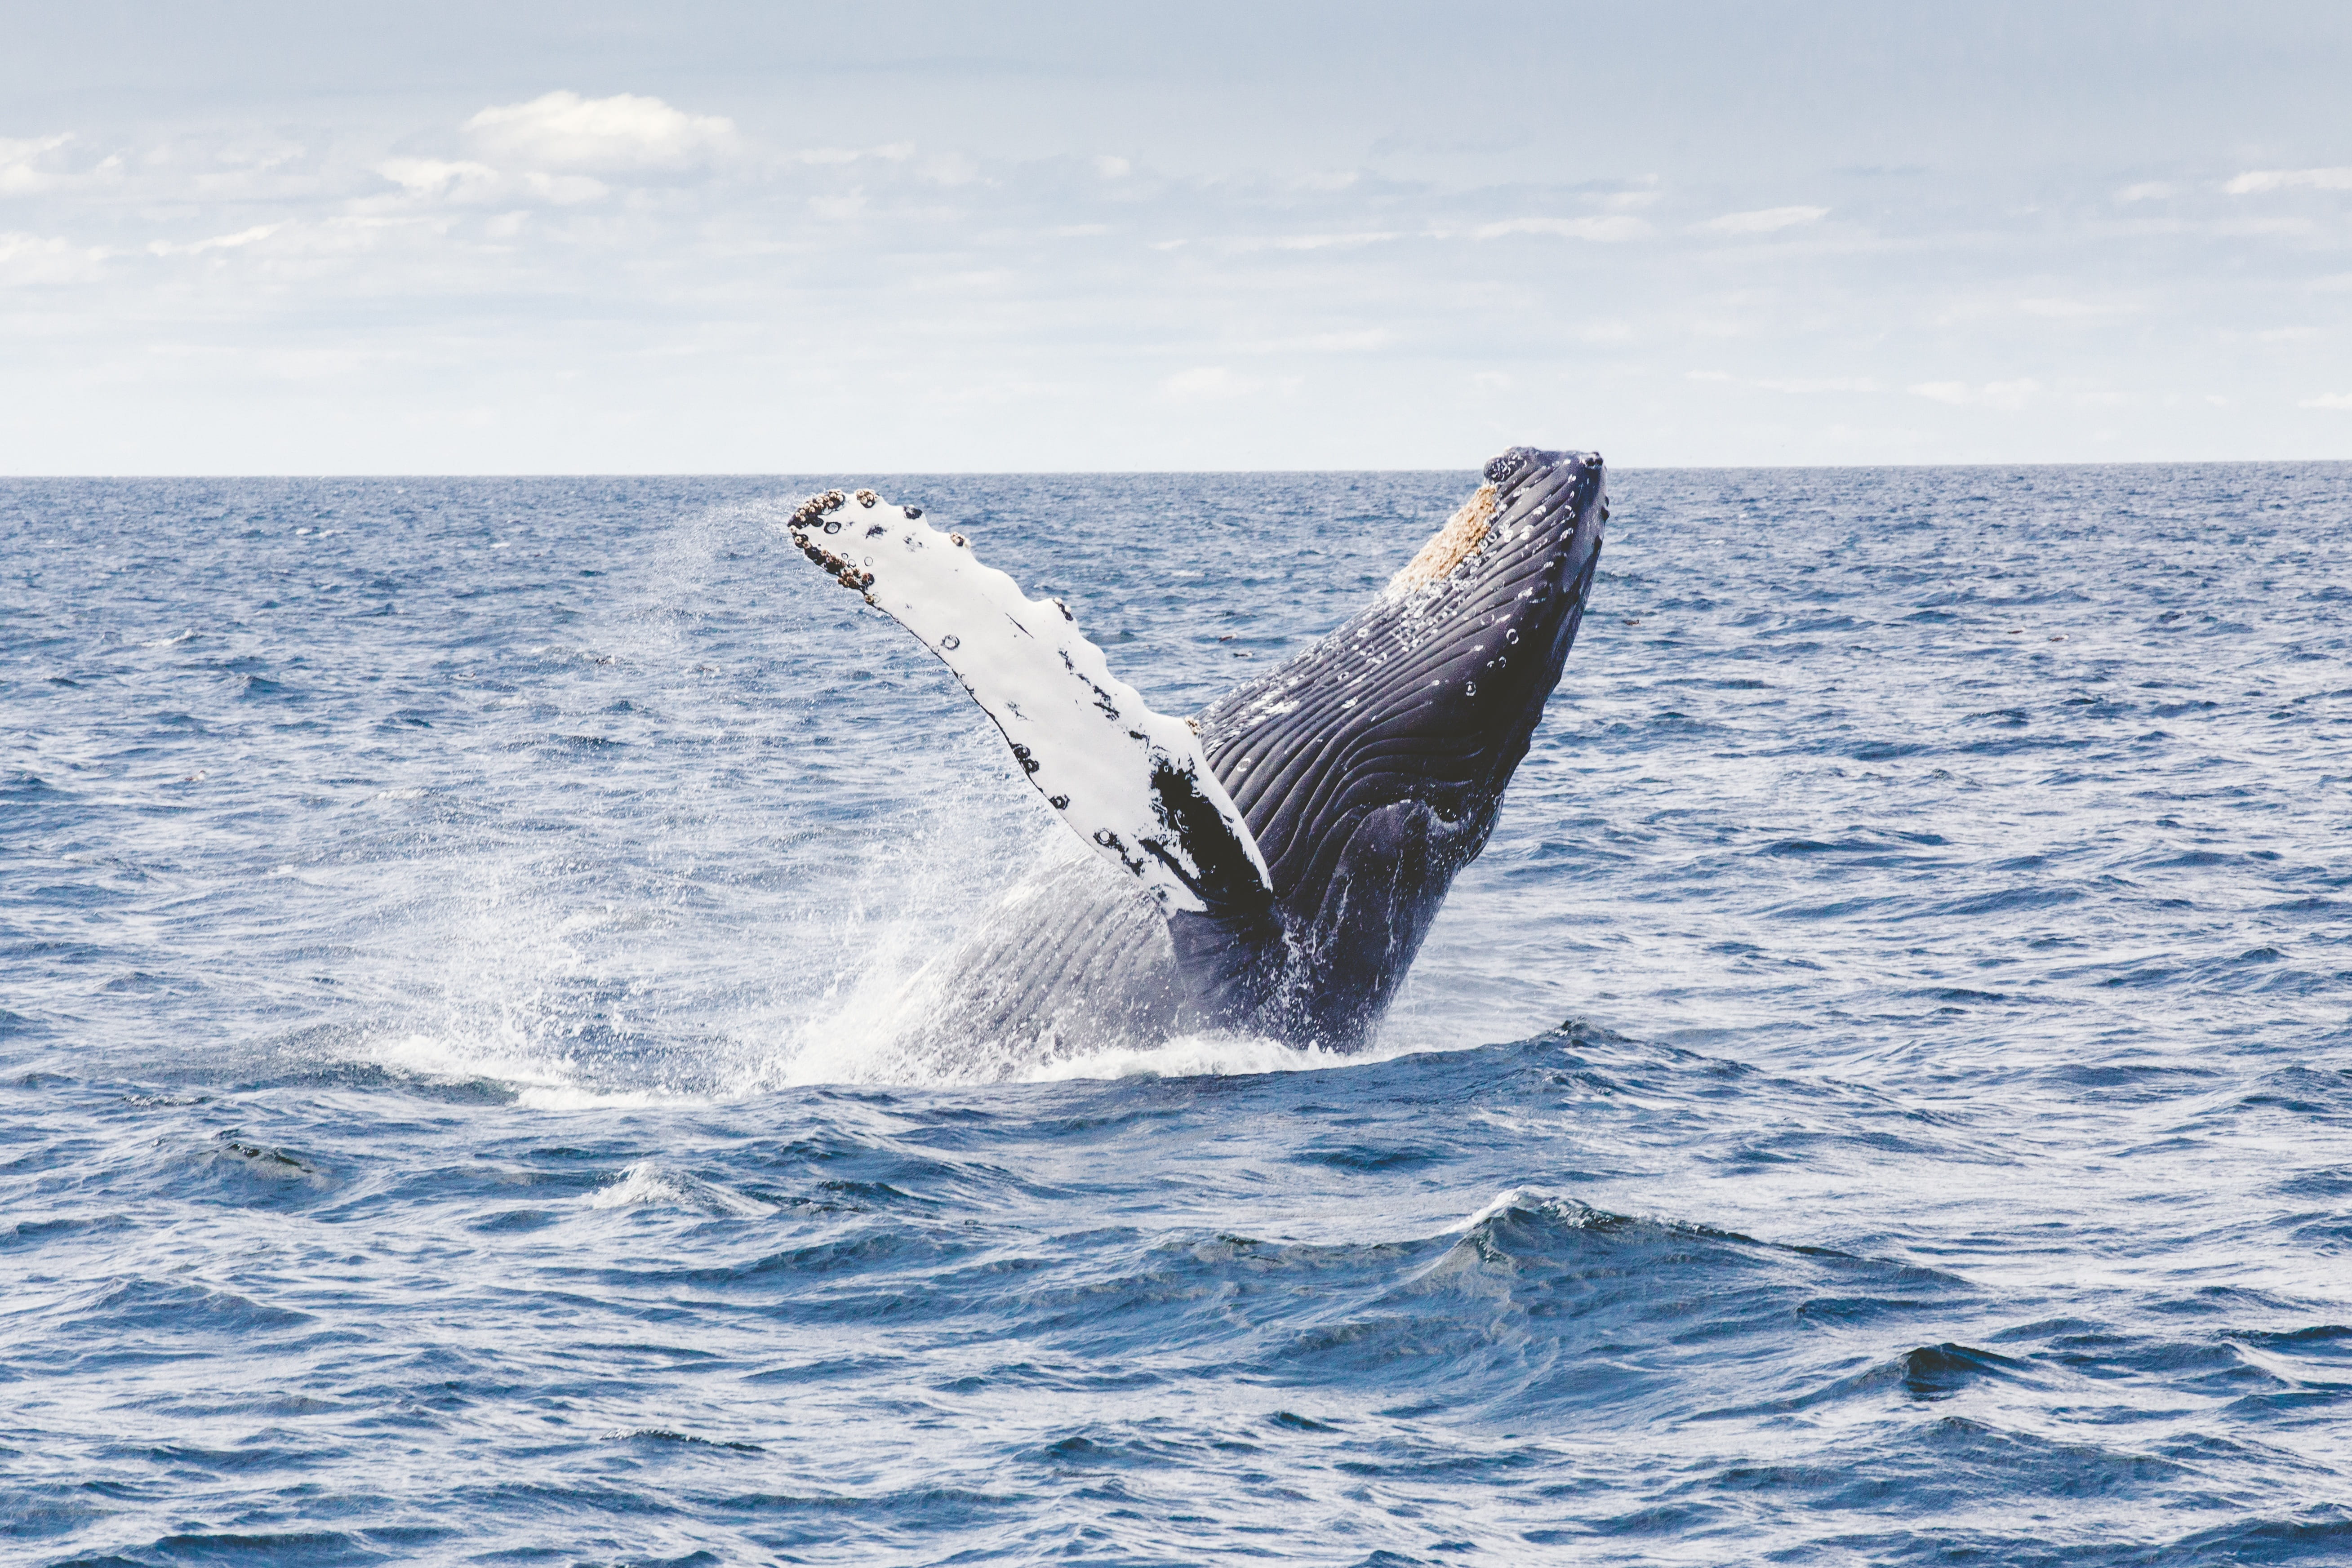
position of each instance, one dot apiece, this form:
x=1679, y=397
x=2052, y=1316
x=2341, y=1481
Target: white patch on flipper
x=1088, y=742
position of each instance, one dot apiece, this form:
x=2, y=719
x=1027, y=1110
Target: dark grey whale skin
x=1370, y=768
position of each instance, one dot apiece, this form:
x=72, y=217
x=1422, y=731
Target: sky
x=537, y=237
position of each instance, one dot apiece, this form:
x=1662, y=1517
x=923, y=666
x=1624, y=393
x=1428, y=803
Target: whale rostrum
x=1272, y=865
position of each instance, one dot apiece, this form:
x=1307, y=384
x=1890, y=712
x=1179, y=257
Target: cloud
x=1111, y=168
x=217, y=242
x=21, y=174
x=1206, y=383
x=2257, y=180
x=564, y=132
x=2003, y=394
x=440, y=176
x=2147, y=191
x=463, y=181
x=1763, y=220
x=1607, y=230
x=2341, y=400
x=39, y=258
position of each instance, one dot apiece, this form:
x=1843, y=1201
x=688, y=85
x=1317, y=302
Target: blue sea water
x=1885, y=1096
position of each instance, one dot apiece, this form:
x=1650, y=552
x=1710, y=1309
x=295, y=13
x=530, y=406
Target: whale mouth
x=1526, y=488
x=1465, y=532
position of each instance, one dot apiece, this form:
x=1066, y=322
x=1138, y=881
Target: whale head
x=1370, y=768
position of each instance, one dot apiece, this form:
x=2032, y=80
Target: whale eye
x=1469, y=689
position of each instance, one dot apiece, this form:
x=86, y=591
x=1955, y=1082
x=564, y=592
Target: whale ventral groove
x=1272, y=865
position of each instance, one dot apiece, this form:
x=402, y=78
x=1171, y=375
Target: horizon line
x=1152, y=473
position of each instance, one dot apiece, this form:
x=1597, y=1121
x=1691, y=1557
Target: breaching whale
x=1272, y=865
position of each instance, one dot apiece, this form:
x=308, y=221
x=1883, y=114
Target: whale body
x=1271, y=865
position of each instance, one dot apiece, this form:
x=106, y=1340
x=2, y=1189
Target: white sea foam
x=651, y=1184
x=1204, y=1056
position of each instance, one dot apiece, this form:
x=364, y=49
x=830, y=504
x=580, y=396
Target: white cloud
x=465, y=182
x=2147, y=191
x=564, y=132
x=441, y=177
x=217, y=242
x=1208, y=381
x=37, y=258
x=563, y=190
x=2257, y=180
x=1607, y=230
x=21, y=174
x=2341, y=400
x=950, y=169
x=1111, y=168
x=2003, y=394
x=1764, y=220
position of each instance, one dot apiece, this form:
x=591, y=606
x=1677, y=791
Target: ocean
x=1884, y=1096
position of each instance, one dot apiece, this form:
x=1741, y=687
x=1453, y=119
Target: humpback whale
x=1271, y=865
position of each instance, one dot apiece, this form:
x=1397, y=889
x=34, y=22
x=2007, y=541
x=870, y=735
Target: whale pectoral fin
x=1132, y=783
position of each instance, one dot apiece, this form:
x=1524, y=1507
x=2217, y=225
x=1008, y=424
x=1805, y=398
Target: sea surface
x=1885, y=1096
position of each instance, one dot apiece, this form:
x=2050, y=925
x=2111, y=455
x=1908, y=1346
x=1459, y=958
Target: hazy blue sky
x=282, y=237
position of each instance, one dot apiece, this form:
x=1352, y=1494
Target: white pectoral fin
x=1132, y=783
